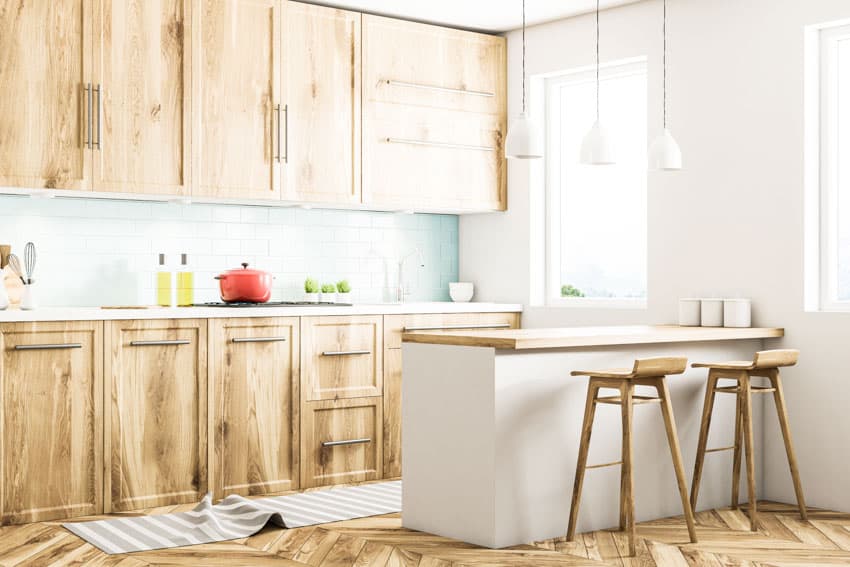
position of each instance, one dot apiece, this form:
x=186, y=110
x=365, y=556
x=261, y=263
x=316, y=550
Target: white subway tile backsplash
x=96, y=252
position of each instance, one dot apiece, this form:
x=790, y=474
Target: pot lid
x=245, y=271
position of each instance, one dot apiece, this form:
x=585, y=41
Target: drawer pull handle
x=49, y=347
x=345, y=352
x=160, y=343
x=440, y=89
x=346, y=442
x=258, y=339
x=446, y=145
x=455, y=327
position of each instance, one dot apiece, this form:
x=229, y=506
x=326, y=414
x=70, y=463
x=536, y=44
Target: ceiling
x=484, y=15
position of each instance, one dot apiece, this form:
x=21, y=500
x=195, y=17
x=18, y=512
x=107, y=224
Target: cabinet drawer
x=341, y=357
x=341, y=441
x=255, y=381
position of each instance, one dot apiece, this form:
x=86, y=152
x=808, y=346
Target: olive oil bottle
x=185, y=283
x=164, y=284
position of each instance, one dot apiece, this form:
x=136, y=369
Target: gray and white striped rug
x=237, y=517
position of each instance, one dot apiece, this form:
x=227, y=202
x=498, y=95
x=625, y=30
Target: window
x=834, y=166
x=596, y=234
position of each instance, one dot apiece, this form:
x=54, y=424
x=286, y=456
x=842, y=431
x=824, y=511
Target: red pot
x=254, y=286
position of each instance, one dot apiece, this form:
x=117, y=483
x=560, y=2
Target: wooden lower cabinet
x=156, y=427
x=394, y=326
x=341, y=441
x=51, y=384
x=254, y=375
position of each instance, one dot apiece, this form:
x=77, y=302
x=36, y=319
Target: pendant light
x=664, y=152
x=597, y=147
x=523, y=140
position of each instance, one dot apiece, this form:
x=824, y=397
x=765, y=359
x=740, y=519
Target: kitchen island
x=492, y=419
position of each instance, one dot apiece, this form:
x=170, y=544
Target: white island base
x=490, y=439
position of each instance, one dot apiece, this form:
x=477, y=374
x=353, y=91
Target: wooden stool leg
x=627, y=498
x=782, y=412
x=705, y=424
x=676, y=454
x=747, y=413
x=736, y=455
x=586, y=430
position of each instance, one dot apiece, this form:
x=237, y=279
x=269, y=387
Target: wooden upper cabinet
x=237, y=114
x=321, y=98
x=51, y=387
x=434, y=117
x=142, y=107
x=254, y=371
x=156, y=425
x=44, y=69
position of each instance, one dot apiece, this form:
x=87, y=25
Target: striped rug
x=237, y=517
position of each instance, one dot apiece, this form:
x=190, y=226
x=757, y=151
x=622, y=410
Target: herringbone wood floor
x=725, y=540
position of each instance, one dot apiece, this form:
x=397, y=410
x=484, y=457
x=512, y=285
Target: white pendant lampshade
x=523, y=141
x=664, y=153
x=597, y=148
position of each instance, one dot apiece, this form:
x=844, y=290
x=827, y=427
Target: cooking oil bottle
x=185, y=283
x=164, y=285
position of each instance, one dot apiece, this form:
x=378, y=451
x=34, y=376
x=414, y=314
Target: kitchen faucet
x=401, y=291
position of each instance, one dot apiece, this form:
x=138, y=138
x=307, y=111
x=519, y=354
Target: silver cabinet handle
x=441, y=89
x=440, y=144
x=161, y=343
x=277, y=133
x=258, y=339
x=62, y=346
x=345, y=352
x=88, y=115
x=346, y=442
x=455, y=327
x=285, y=133
x=98, y=90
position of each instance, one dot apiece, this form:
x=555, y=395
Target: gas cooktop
x=271, y=304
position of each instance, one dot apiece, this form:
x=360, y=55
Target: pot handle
x=219, y=277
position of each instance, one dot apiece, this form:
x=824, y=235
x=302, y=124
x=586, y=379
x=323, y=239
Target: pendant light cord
x=523, y=57
x=664, y=28
x=597, y=60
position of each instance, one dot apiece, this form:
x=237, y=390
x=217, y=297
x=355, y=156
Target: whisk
x=29, y=261
x=15, y=265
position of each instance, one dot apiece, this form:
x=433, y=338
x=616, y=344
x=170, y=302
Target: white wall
x=730, y=223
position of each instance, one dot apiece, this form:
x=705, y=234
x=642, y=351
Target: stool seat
x=643, y=368
x=763, y=359
x=650, y=372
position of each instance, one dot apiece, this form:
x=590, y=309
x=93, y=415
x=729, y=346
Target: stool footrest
x=617, y=400
x=718, y=449
x=603, y=465
x=753, y=389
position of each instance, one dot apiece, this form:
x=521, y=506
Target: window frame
x=553, y=172
x=827, y=155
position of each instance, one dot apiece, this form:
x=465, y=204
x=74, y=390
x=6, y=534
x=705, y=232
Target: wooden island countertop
x=577, y=337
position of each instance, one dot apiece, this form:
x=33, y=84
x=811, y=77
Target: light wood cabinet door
x=45, y=60
x=254, y=373
x=341, y=441
x=321, y=86
x=394, y=326
x=51, y=384
x=156, y=430
x=434, y=117
x=142, y=76
x=341, y=357
x=237, y=115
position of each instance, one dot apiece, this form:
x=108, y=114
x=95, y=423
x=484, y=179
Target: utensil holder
x=689, y=312
x=737, y=313
x=28, y=299
x=711, y=312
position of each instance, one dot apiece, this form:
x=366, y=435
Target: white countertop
x=98, y=314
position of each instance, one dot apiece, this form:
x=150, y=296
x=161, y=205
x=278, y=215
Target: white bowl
x=461, y=292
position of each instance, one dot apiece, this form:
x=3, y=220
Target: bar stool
x=765, y=364
x=645, y=372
